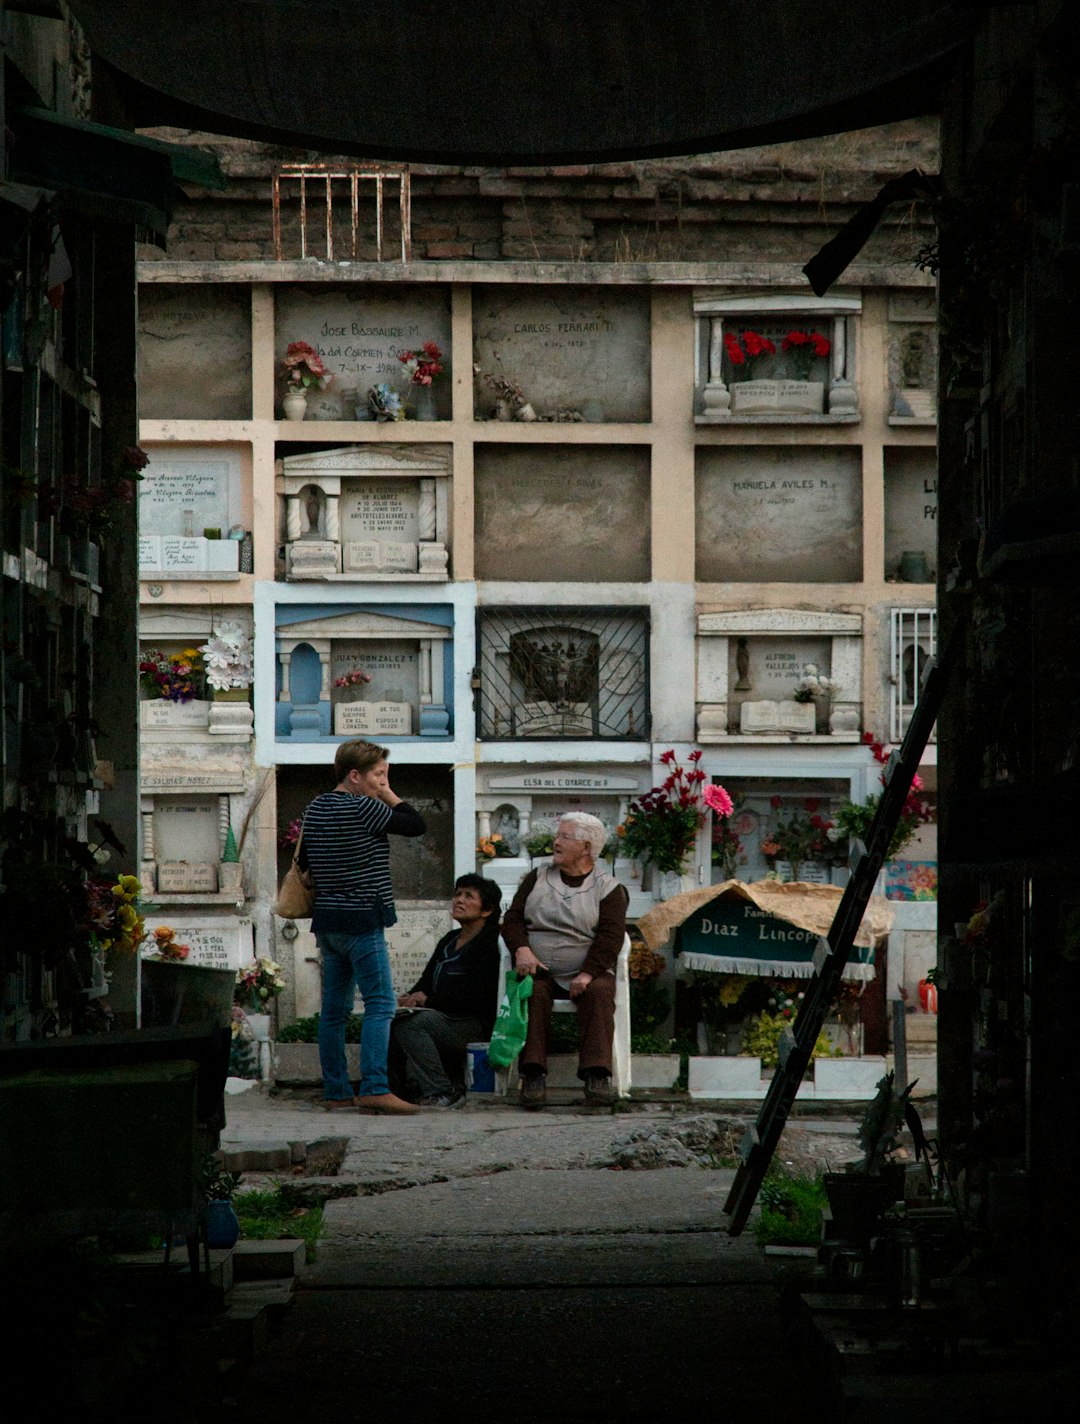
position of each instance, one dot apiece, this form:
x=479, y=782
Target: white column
x=426, y=519
x=333, y=518
x=483, y=825
x=285, y=659
x=425, y=672
x=324, y=669
x=148, y=851
x=843, y=397
x=223, y=823
x=293, y=519
x=716, y=397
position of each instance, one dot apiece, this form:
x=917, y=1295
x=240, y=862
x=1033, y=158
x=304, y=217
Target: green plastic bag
x=511, y=1022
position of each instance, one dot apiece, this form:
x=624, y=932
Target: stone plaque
x=562, y=512
x=538, y=719
x=373, y=719
x=578, y=349
x=777, y=397
x=160, y=712
x=186, y=878
x=224, y=946
x=184, y=333
x=187, y=830
x=392, y=664
x=380, y=509
x=187, y=491
x=774, y=666
x=361, y=332
x=383, y=557
x=777, y=514
x=149, y=552
x=768, y=716
x=180, y=555
x=911, y=505
x=563, y=781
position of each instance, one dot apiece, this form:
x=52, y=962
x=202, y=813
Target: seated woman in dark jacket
x=456, y=994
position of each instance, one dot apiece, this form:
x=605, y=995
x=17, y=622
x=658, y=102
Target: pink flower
x=717, y=799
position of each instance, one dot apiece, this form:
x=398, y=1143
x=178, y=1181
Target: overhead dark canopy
x=542, y=81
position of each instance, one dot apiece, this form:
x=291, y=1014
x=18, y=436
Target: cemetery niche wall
x=912, y=358
x=380, y=671
x=561, y=354
x=778, y=514
x=570, y=673
x=911, y=506
x=178, y=705
x=578, y=513
x=366, y=512
x=194, y=517
x=777, y=358
x=360, y=333
x=776, y=673
x=194, y=352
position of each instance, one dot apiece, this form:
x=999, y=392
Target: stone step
x=273, y=1295
x=262, y=1260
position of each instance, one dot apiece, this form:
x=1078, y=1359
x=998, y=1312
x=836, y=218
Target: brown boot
x=385, y=1104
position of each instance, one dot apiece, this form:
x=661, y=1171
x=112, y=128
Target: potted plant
x=661, y=827
x=859, y=1195
x=423, y=367
x=852, y=820
x=302, y=368
x=218, y=1187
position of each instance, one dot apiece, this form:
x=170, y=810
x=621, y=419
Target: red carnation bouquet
x=800, y=348
x=746, y=349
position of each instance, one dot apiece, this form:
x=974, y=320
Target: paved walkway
x=526, y=1266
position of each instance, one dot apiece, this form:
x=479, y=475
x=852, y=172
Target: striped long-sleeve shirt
x=345, y=846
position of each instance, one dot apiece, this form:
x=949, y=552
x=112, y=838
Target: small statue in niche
x=914, y=361
x=742, y=666
x=312, y=507
x=506, y=823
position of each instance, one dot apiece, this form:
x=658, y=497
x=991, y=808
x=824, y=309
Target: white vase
x=294, y=405
x=260, y=1027
x=423, y=403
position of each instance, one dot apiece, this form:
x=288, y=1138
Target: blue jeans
x=361, y=960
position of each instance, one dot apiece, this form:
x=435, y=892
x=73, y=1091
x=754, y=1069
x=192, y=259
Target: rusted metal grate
x=315, y=186
x=563, y=674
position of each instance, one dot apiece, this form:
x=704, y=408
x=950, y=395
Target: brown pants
x=595, y=1020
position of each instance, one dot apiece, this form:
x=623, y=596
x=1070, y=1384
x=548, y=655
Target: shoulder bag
x=296, y=893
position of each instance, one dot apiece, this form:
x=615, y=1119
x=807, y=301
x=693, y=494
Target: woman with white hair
x=565, y=927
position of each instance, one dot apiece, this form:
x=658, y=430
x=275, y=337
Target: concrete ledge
x=740, y=1079
x=297, y=1064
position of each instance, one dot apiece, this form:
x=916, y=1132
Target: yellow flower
x=126, y=918
x=126, y=887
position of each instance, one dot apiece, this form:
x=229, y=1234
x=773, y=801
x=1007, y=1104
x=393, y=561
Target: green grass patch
x=307, y=1030
x=266, y=1216
x=791, y=1210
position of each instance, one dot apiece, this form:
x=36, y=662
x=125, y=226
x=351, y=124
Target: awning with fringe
x=764, y=928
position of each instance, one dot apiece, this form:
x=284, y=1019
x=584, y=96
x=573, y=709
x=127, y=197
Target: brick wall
x=782, y=201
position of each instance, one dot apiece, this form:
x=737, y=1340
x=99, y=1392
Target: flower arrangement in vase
x=661, y=827
x=747, y=352
x=302, y=369
x=813, y=685
x=114, y=915
x=357, y=677
x=176, y=677
x=800, y=349
x=801, y=836
x=258, y=984
x=166, y=946
x=423, y=367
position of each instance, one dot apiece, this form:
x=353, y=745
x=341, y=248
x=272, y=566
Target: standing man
x=346, y=849
x=457, y=993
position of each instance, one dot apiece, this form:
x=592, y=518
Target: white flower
x=227, y=657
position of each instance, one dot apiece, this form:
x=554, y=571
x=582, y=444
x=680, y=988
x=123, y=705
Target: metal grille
x=315, y=183
x=563, y=674
x=913, y=644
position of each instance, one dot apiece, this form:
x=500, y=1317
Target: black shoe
x=534, y=1090
x=598, y=1091
x=454, y=1099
